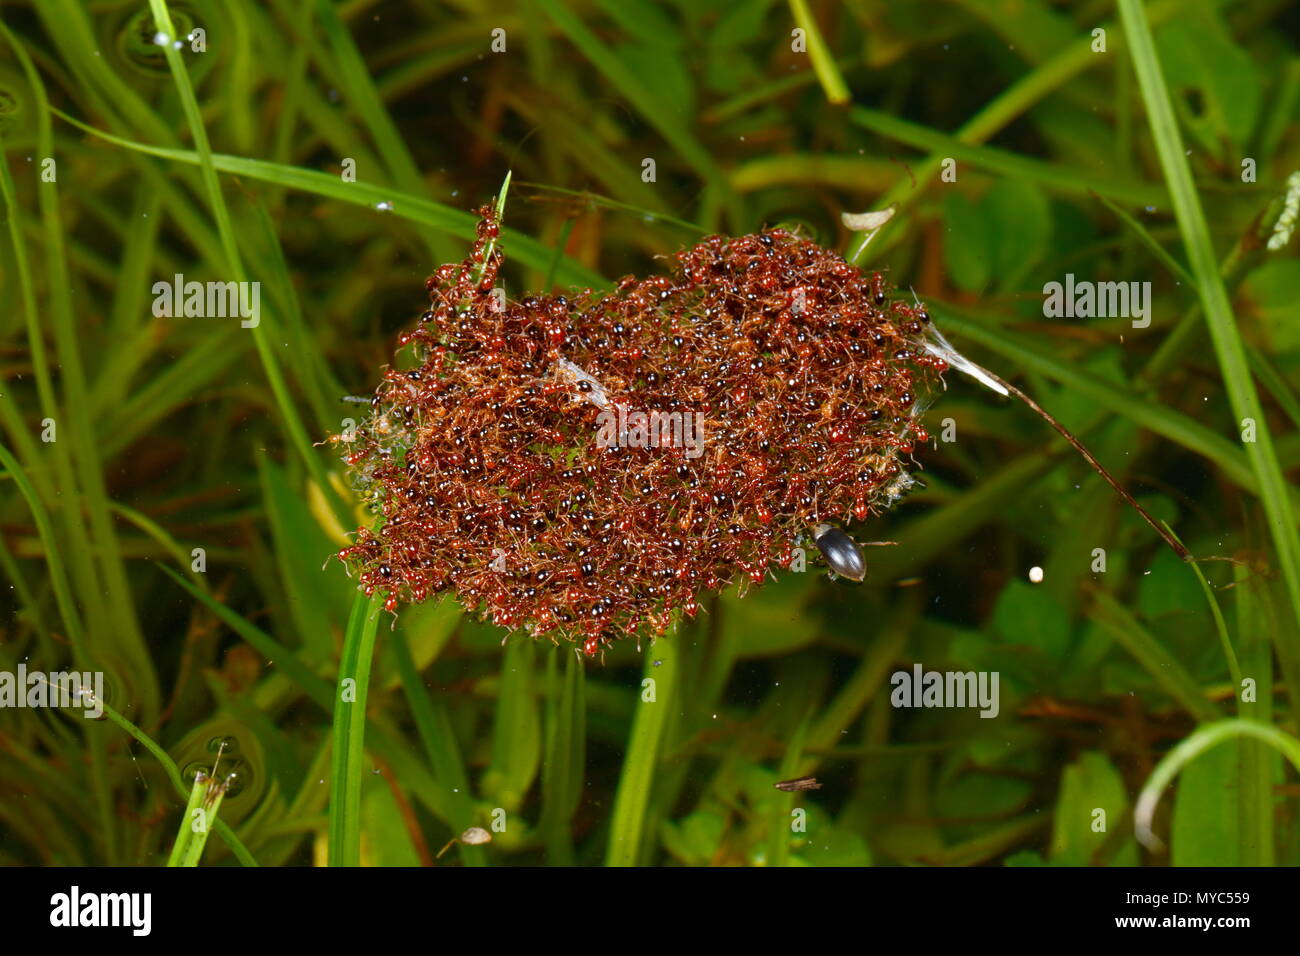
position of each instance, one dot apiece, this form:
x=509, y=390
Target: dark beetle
x=841, y=552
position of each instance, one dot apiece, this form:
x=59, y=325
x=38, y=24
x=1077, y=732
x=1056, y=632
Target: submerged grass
x=168, y=500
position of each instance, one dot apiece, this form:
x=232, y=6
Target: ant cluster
x=483, y=466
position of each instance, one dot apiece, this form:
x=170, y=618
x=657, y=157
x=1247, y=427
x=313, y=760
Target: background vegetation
x=181, y=433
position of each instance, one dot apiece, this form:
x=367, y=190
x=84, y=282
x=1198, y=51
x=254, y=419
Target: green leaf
x=1020, y=226
x=1092, y=802
x=517, y=729
x=1217, y=80
x=1271, y=293
x=833, y=847
x=997, y=239
x=966, y=243
x=769, y=620
x=1205, y=826
x=385, y=839
x=695, y=839
x=1032, y=617
x=665, y=72
x=317, y=599
x=1168, y=588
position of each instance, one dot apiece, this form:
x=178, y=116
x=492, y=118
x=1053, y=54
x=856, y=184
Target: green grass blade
x=1152, y=415
x=205, y=800
x=327, y=185
x=1002, y=162
x=221, y=213
x=1222, y=324
x=174, y=775
x=1152, y=655
x=566, y=751
x=670, y=125
x=350, y=732
x=441, y=749
x=1187, y=750
x=53, y=558
x=828, y=74
x=643, y=753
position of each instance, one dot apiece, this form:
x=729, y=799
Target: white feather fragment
x=940, y=346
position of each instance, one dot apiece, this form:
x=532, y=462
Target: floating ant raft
x=534, y=462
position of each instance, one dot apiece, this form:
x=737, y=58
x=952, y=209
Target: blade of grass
x=1264, y=369
x=1259, y=767
x=1220, y=626
x=405, y=206
x=1052, y=74
x=205, y=800
x=440, y=746
x=1273, y=489
x=1001, y=161
x=1187, y=750
x=221, y=213
x=350, y=732
x=174, y=775
x=828, y=74
x=1151, y=654
x=53, y=559
x=1149, y=414
x=387, y=743
x=778, y=850
x=566, y=750
x=637, y=777
x=516, y=730
x=670, y=125
x=317, y=688
x=364, y=98
x=119, y=628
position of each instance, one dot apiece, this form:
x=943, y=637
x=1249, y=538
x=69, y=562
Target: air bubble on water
x=161, y=39
x=224, y=744
x=237, y=780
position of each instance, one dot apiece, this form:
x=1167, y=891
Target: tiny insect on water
x=482, y=464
